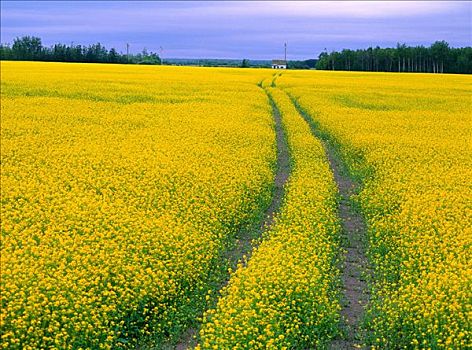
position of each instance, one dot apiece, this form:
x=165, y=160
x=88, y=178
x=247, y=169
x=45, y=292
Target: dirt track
x=354, y=262
x=244, y=238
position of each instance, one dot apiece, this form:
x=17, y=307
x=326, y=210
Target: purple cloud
x=239, y=29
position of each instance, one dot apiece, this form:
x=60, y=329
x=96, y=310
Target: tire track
x=247, y=237
x=282, y=167
x=355, y=265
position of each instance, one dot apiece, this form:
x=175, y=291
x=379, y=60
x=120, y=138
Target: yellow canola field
x=409, y=137
x=121, y=185
x=285, y=298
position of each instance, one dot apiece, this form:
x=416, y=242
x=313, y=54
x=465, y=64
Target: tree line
x=438, y=58
x=30, y=48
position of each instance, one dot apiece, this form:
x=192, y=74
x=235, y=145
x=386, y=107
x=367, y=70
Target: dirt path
x=244, y=238
x=355, y=264
x=282, y=168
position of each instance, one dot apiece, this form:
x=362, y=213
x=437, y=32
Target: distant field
x=127, y=190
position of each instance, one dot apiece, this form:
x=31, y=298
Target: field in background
x=124, y=186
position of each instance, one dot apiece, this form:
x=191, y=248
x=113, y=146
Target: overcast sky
x=254, y=30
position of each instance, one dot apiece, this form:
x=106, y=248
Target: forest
x=438, y=58
x=30, y=48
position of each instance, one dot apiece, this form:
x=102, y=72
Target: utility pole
x=285, y=53
x=127, y=52
x=161, y=50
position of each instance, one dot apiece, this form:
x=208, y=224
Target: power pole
x=127, y=52
x=285, y=52
x=161, y=50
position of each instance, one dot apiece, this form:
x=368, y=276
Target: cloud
x=336, y=9
x=237, y=28
x=195, y=14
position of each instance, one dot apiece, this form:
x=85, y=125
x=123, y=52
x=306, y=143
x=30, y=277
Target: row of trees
x=438, y=58
x=31, y=49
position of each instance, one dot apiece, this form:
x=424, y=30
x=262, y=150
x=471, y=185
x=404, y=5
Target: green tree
x=439, y=52
x=245, y=63
x=27, y=48
x=113, y=56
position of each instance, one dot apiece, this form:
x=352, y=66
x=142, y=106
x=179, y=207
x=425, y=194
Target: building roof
x=278, y=62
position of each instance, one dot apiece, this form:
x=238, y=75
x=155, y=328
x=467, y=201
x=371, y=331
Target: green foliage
x=307, y=64
x=31, y=49
x=438, y=58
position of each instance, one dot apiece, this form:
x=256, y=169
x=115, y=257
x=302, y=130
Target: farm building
x=279, y=64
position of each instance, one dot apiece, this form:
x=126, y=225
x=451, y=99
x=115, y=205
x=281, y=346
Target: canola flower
x=408, y=136
x=121, y=187
x=285, y=298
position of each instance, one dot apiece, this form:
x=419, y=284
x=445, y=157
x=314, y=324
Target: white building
x=279, y=64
